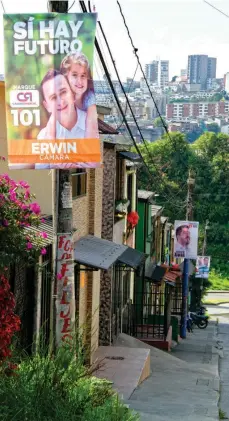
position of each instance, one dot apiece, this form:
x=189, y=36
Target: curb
x=217, y=291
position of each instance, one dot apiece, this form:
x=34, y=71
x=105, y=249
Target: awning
x=145, y=195
x=172, y=276
x=156, y=210
x=102, y=254
x=132, y=258
x=154, y=273
x=130, y=156
x=106, y=128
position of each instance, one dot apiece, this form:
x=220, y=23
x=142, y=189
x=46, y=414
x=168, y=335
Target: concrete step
x=160, y=360
x=125, y=367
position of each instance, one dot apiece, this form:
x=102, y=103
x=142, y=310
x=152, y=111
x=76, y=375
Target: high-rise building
x=198, y=69
x=151, y=71
x=158, y=72
x=163, y=73
x=226, y=82
x=211, y=68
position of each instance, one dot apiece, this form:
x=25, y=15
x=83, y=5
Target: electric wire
x=218, y=10
x=137, y=125
x=128, y=103
x=116, y=98
x=170, y=199
x=135, y=51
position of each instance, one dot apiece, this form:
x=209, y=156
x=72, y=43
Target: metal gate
x=152, y=312
x=176, y=306
x=121, y=303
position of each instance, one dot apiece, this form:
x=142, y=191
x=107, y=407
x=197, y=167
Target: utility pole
x=185, y=277
x=63, y=305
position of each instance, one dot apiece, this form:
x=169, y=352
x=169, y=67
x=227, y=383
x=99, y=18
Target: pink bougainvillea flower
x=27, y=195
x=13, y=196
x=5, y=223
x=24, y=207
x=59, y=276
x=35, y=208
x=43, y=251
x=44, y=234
x=23, y=184
x=6, y=177
x=29, y=245
x=42, y=220
x=2, y=158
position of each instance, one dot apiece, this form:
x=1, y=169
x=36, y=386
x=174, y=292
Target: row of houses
x=125, y=279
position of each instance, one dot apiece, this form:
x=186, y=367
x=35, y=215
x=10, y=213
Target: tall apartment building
x=198, y=69
x=151, y=71
x=211, y=68
x=226, y=82
x=181, y=110
x=158, y=72
x=201, y=68
x=163, y=73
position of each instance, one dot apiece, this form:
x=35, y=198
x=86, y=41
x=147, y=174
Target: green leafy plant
x=48, y=387
x=222, y=415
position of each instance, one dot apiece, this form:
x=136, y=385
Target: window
x=79, y=183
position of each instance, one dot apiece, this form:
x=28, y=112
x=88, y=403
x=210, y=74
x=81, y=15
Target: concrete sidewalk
x=183, y=385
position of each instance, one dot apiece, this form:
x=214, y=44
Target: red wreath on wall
x=132, y=219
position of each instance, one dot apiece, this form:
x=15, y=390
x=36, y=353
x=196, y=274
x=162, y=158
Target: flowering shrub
x=17, y=211
x=9, y=322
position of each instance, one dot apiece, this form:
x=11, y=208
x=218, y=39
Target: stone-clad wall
x=109, y=172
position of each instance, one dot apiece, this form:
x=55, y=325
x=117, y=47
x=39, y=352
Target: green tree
x=169, y=160
x=213, y=127
x=158, y=123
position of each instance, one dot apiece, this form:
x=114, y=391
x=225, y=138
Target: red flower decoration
x=9, y=321
x=132, y=219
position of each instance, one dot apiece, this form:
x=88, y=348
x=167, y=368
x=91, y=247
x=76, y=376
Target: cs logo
x=24, y=96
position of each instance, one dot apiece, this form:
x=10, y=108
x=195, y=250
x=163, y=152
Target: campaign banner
x=186, y=239
x=50, y=99
x=202, y=266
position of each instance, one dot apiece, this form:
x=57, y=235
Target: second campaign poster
x=50, y=99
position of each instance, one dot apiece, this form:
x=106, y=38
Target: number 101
x=26, y=117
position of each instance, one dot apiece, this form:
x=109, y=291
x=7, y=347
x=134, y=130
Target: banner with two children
x=50, y=100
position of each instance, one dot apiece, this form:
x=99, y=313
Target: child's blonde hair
x=76, y=57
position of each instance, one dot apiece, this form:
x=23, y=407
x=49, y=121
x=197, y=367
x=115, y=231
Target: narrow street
x=183, y=384
x=222, y=313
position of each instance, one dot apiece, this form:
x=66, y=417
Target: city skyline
x=169, y=29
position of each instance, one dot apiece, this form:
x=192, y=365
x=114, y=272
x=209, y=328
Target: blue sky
x=171, y=29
